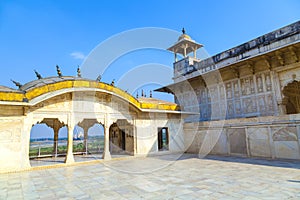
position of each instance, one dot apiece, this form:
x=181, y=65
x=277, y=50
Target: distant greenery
x=95, y=145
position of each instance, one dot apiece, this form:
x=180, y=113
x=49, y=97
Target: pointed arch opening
x=121, y=138
x=48, y=144
x=88, y=143
x=291, y=94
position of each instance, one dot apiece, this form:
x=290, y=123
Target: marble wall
x=270, y=138
x=147, y=129
x=12, y=138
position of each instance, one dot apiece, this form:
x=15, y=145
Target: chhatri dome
x=184, y=36
x=184, y=46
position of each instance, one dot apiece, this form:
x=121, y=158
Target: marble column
x=134, y=136
x=55, y=142
x=106, y=152
x=70, y=157
x=85, y=140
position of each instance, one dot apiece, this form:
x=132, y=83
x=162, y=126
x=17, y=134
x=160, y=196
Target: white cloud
x=78, y=55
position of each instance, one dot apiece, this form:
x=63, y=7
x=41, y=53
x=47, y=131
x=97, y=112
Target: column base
x=26, y=164
x=69, y=159
x=106, y=156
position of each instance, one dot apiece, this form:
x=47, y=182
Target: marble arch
x=76, y=101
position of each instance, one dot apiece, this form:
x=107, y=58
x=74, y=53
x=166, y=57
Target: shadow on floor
x=257, y=161
x=173, y=157
x=254, y=161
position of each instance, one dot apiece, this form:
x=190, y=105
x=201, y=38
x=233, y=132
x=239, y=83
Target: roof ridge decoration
x=39, y=91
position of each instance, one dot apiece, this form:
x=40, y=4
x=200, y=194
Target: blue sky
x=40, y=34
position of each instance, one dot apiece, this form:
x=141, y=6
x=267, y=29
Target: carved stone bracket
x=267, y=61
x=280, y=58
x=235, y=71
x=53, y=123
x=293, y=53
x=251, y=67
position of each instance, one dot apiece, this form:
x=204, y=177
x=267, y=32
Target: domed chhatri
x=184, y=46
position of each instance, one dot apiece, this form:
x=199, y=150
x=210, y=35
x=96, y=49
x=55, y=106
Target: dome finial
x=19, y=85
x=78, y=72
x=183, y=31
x=99, y=78
x=58, y=71
x=113, y=82
x=38, y=75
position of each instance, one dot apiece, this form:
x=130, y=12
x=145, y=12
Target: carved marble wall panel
x=208, y=96
x=215, y=110
x=222, y=92
x=270, y=103
x=288, y=133
x=213, y=91
x=268, y=82
x=204, y=112
x=259, y=144
x=209, y=111
x=223, y=108
x=229, y=94
x=262, y=104
x=198, y=94
x=221, y=146
x=248, y=96
x=247, y=105
x=287, y=149
x=230, y=109
x=203, y=96
x=238, y=107
x=237, y=140
x=247, y=86
x=196, y=141
x=236, y=89
x=259, y=83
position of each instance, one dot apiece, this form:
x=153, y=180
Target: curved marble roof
x=48, y=80
x=7, y=89
x=41, y=89
x=153, y=100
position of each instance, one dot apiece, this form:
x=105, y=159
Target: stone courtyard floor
x=161, y=177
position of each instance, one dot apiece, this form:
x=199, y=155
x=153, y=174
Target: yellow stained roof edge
x=38, y=91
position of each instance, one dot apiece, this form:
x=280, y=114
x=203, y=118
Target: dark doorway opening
x=163, y=139
x=292, y=97
x=123, y=140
